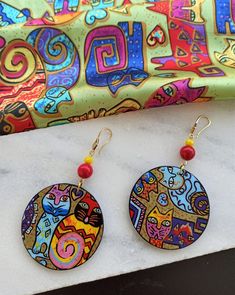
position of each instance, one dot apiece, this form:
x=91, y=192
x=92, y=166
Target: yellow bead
x=189, y=141
x=88, y=160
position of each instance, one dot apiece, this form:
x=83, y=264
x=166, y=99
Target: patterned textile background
x=68, y=60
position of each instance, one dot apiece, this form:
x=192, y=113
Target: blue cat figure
x=56, y=205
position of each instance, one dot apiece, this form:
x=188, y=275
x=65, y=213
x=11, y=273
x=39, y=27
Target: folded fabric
x=64, y=61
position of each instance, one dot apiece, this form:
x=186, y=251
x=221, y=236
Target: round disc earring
x=62, y=225
x=168, y=206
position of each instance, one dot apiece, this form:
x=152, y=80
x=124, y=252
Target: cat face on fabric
x=57, y=202
x=176, y=92
x=189, y=10
x=159, y=225
x=88, y=211
x=227, y=58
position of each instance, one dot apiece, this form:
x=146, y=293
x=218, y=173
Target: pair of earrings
x=62, y=225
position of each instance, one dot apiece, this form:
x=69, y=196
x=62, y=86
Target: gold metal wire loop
x=97, y=141
x=195, y=126
x=182, y=167
x=80, y=183
x=94, y=147
x=193, y=135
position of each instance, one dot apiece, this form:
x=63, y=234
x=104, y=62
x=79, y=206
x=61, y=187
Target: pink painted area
x=18, y=59
x=2, y=42
x=58, y=194
x=180, y=92
x=67, y=252
x=233, y=9
x=105, y=51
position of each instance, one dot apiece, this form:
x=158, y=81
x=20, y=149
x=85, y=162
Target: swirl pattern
x=174, y=212
x=200, y=204
x=59, y=56
x=68, y=250
x=62, y=228
x=22, y=81
x=18, y=62
x=110, y=52
x=69, y=61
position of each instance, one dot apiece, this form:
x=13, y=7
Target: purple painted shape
x=27, y=217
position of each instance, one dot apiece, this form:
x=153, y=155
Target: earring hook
x=89, y=159
x=190, y=141
x=97, y=141
x=193, y=129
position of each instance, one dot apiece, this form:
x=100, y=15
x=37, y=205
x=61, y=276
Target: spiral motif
x=59, y=56
x=18, y=62
x=57, y=232
x=181, y=214
x=68, y=250
x=200, y=204
x=106, y=48
x=90, y=18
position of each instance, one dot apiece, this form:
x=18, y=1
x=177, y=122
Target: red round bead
x=85, y=170
x=187, y=152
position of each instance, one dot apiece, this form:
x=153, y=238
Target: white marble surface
x=141, y=140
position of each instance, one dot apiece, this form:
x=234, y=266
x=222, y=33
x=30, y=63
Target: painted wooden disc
x=168, y=208
x=62, y=227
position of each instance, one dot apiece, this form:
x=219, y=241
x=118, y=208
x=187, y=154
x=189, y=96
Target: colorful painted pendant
x=169, y=207
x=62, y=226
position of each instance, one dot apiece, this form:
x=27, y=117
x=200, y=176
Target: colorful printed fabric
x=68, y=60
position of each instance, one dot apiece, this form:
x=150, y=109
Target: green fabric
x=65, y=61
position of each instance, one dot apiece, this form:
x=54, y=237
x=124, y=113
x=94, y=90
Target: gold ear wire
x=97, y=141
x=80, y=183
x=190, y=141
x=193, y=129
x=89, y=159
